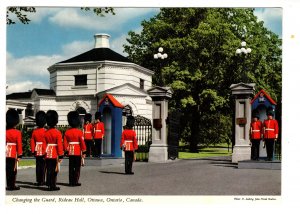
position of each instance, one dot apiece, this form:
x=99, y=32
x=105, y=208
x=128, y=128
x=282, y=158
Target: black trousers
x=270, y=148
x=98, y=144
x=255, y=149
x=51, y=173
x=40, y=169
x=11, y=172
x=128, y=161
x=74, y=169
x=89, y=147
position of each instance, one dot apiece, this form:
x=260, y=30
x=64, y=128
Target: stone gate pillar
x=242, y=93
x=159, y=148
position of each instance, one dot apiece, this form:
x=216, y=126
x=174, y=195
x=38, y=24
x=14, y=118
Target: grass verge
x=27, y=162
x=205, y=152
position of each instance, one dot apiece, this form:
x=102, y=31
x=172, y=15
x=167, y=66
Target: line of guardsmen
x=266, y=131
x=49, y=147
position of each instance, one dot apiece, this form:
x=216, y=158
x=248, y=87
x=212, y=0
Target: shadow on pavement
x=31, y=185
x=107, y=172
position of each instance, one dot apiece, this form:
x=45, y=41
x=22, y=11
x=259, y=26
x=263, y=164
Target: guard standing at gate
x=88, y=130
x=54, y=150
x=13, y=148
x=98, y=134
x=38, y=147
x=270, y=133
x=75, y=148
x=129, y=144
x=255, y=135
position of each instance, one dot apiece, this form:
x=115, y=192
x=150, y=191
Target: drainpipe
x=96, y=90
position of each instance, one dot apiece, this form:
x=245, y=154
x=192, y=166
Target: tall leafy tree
x=202, y=64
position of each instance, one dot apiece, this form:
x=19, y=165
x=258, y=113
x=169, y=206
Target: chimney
x=101, y=40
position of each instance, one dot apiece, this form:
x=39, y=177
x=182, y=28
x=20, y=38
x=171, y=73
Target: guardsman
x=38, y=147
x=270, y=133
x=13, y=148
x=255, y=135
x=88, y=131
x=98, y=134
x=129, y=144
x=75, y=147
x=54, y=150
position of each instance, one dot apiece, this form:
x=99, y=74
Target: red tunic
x=13, y=143
x=129, y=140
x=54, y=143
x=74, y=142
x=270, y=129
x=37, y=141
x=98, y=130
x=88, y=131
x=256, y=129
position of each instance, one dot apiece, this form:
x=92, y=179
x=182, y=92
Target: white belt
x=39, y=143
x=73, y=143
x=98, y=131
x=87, y=132
x=255, y=130
x=51, y=144
x=11, y=144
x=270, y=129
x=128, y=141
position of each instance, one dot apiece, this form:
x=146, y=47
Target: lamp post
x=160, y=55
x=243, y=51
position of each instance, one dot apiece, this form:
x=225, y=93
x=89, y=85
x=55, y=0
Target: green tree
x=202, y=63
x=22, y=12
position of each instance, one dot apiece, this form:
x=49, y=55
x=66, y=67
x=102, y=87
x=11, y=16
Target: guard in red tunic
x=98, y=134
x=38, y=147
x=75, y=147
x=129, y=144
x=13, y=148
x=54, y=150
x=88, y=132
x=255, y=135
x=270, y=133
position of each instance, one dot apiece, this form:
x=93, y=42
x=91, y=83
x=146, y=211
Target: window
x=80, y=80
x=142, y=83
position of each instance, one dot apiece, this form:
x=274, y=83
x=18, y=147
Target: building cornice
x=91, y=65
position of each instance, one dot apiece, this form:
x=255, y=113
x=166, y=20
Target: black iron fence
x=143, y=129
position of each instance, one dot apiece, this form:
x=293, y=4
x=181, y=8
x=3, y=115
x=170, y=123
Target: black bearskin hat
x=98, y=115
x=40, y=119
x=130, y=121
x=88, y=117
x=51, y=118
x=73, y=119
x=12, y=118
x=270, y=111
x=255, y=113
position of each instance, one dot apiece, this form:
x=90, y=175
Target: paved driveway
x=202, y=177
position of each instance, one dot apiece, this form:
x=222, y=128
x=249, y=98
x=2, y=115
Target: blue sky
x=58, y=33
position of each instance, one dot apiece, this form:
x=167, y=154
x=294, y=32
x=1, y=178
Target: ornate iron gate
x=143, y=129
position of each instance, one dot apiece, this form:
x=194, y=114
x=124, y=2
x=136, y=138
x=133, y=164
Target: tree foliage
x=22, y=12
x=202, y=63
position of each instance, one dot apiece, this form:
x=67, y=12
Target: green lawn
x=27, y=162
x=205, y=152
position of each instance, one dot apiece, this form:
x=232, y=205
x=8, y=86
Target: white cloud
x=28, y=72
x=76, y=47
x=74, y=17
x=25, y=86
